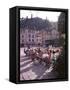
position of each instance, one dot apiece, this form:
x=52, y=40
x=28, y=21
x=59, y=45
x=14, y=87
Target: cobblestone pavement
x=30, y=70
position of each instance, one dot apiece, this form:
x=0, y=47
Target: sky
x=50, y=15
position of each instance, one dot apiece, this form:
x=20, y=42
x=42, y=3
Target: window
x=33, y=40
x=32, y=36
x=29, y=39
x=29, y=35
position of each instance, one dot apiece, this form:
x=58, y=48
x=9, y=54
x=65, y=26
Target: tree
x=61, y=23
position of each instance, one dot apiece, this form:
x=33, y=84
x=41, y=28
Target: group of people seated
x=42, y=55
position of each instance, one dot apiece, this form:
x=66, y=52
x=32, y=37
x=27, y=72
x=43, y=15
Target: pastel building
x=37, y=37
x=30, y=37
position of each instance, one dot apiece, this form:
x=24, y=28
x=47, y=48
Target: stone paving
x=30, y=70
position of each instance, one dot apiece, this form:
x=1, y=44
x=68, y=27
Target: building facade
x=37, y=37
x=37, y=32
